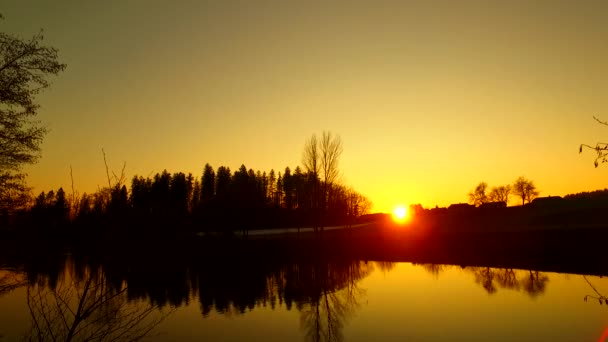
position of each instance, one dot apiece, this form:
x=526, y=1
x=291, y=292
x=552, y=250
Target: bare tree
x=24, y=67
x=311, y=161
x=601, y=149
x=322, y=155
x=331, y=150
x=478, y=195
x=500, y=194
x=310, y=157
x=525, y=189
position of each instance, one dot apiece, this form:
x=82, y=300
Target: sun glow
x=400, y=213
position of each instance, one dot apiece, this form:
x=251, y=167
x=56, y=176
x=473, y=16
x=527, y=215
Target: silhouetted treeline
x=589, y=198
x=220, y=201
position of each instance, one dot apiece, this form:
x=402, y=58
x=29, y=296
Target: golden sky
x=429, y=97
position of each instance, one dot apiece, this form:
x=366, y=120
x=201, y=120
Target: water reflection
x=597, y=295
x=10, y=280
x=331, y=299
x=491, y=279
x=324, y=292
x=87, y=298
x=82, y=305
x=531, y=282
x=72, y=296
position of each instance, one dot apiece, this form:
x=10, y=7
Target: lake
x=297, y=299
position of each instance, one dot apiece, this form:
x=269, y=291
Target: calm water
x=303, y=301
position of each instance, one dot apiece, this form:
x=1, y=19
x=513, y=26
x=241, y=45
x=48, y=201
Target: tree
x=222, y=181
x=271, y=185
x=525, y=189
x=500, y=194
x=310, y=160
x=288, y=189
x=208, y=184
x=601, y=149
x=331, y=150
x=478, y=196
x=310, y=157
x=24, y=68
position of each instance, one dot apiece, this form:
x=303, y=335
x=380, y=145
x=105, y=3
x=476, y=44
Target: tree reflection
x=86, y=307
x=598, y=296
x=10, y=280
x=385, y=266
x=88, y=295
x=436, y=269
x=507, y=278
x=534, y=283
x=485, y=277
x=333, y=300
x=491, y=279
x=531, y=282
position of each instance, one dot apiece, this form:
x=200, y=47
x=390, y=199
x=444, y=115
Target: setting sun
x=400, y=213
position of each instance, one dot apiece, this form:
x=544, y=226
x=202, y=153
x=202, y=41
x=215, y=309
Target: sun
x=400, y=213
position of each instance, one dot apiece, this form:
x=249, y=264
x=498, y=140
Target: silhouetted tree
x=181, y=191
x=24, y=68
x=500, y=194
x=478, y=196
x=61, y=207
x=141, y=191
x=302, y=192
x=272, y=179
x=601, y=149
x=84, y=207
x=330, y=151
x=311, y=161
x=278, y=198
x=195, y=201
x=288, y=189
x=525, y=189
x=119, y=202
x=160, y=194
x=223, y=180
x=208, y=183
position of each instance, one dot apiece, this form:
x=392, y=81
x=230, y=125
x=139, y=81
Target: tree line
x=219, y=200
x=521, y=187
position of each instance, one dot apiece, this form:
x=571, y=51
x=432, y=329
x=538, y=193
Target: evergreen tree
x=208, y=183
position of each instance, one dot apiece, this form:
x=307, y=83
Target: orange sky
x=430, y=98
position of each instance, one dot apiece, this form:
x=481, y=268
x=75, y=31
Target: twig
x=600, y=121
x=107, y=169
x=73, y=192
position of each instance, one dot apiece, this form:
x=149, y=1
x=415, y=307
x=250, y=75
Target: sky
x=429, y=97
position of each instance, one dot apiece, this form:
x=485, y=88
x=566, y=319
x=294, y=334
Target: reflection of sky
x=403, y=303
